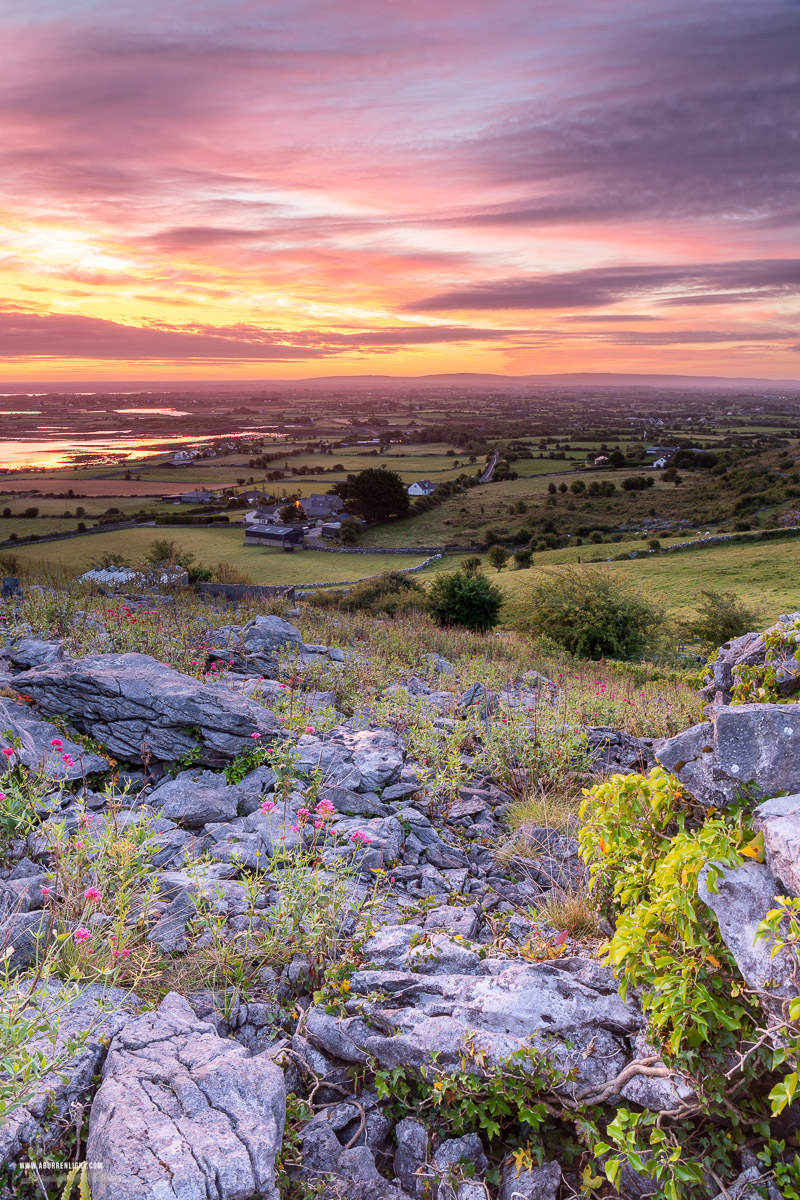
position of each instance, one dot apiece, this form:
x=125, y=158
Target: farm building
x=285, y=537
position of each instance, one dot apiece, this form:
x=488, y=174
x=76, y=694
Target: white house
x=422, y=487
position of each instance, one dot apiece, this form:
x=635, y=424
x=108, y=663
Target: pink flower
x=47, y=891
x=86, y=818
x=79, y=845
x=2, y=795
x=92, y=893
x=309, y=729
x=283, y=721
x=325, y=806
x=303, y=812
x=360, y=838
x=255, y=735
x=319, y=824
x=8, y=752
x=81, y=935
x=57, y=742
x=267, y=806
x=125, y=952
x=295, y=828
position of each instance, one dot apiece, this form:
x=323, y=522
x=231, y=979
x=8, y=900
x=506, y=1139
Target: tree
x=291, y=512
x=108, y=559
x=350, y=532
x=457, y=598
x=721, y=616
x=471, y=565
x=591, y=612
x=164, y=553
x=376, y=494
x=523, y=559
x=616, y=459
x=498, y=557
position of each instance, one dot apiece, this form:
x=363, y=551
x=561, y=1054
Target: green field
x=211, y=546
x=765, y=574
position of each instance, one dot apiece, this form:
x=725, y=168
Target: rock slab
x=183, y=1114
x=135, y=706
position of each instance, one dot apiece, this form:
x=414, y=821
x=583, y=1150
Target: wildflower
x=267, y=806
x=2, y=796
x=319, y=824
x=295, y=828
x=86, y=818
x=325, y=806
x=360, y=838
x=81, y=935
x=79, y=845
x=309, y=729
x=46, y=891
x=57, y=742
x=283, y=720
x=8, y=752
x=255, y=735
x=92, y=893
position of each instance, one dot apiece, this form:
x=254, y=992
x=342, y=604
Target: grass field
x=765, y=574
x=25, y=526
x=211, y=546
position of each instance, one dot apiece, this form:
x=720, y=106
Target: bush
x=391, y=593
x=471, y=565
x=523, y=559
x=498, y=557
x=225, y=572
x=591, y=613
x=721, y=616
x=637, y=483
x=461, y=599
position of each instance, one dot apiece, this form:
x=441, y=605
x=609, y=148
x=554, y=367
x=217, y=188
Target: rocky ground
x=384, y=965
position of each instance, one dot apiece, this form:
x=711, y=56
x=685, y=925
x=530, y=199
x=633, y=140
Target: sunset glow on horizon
x=271, y=189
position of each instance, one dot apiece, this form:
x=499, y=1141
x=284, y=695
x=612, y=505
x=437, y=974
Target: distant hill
x=456, y=379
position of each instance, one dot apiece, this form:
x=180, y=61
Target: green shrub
x=469, y=600
x=390, y=593
x=498, y=557
x=720, y=616
x=591, y=613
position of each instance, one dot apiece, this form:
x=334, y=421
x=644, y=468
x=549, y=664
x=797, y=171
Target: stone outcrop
x=751, y=650
x=183, y=1114
x=31, y=740
x=135, y=707
x=88, y=1016
x=750, y=750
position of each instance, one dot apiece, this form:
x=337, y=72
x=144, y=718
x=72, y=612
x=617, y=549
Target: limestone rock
x=741, y=898
x=134, y=705
x=540, y=1183
x=779, y=821
x=196, y=798
x=88, y=1016
x=742, y=750
x=36, y=750
x=183, y=1114
x=569, y=1010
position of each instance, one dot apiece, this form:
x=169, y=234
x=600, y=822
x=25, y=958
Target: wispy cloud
x=295, y=167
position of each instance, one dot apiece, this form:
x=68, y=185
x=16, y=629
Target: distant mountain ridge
x=464, y=379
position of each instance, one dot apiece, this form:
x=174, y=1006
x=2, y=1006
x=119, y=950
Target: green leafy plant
x=591, y=612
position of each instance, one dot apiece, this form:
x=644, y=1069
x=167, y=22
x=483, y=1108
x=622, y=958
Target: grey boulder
x=751, y=650
x=31, y=740
x=568, y=1011
x=741, y=750
x=86, y=1017
x=740, y=898
x=779, y=821
x=196, y=798
x=183, y=1114
x=540, y=1183
x=138, y=707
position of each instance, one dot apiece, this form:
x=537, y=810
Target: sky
x=209, y=189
